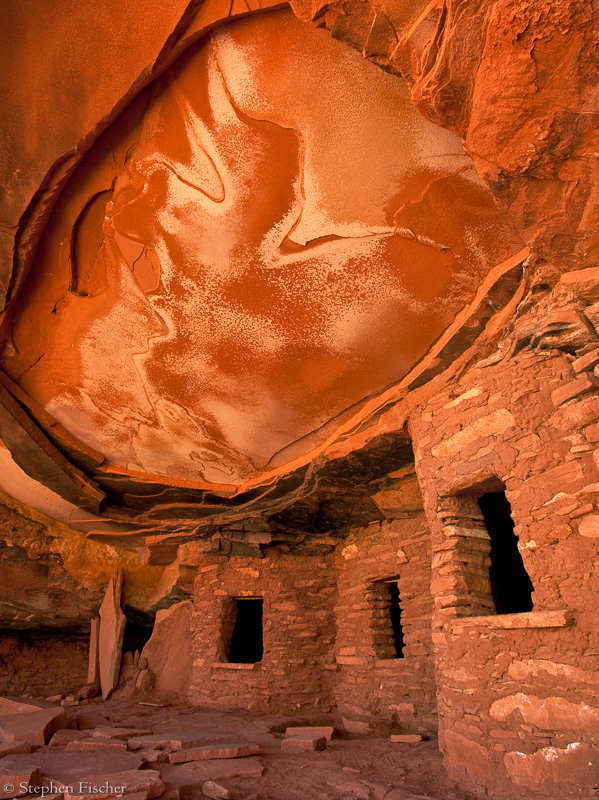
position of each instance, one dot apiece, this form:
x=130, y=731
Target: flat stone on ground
x=216, y=791
x=88, y=720
x=114, y=732
x=13, y=748
x=406, y=738
x=34, y=727
x=328, y=731
x=104, y=785
x=178, y=741
x=154, y=756
x=15, y=773
x=298, y=744
x=21, y=705
x=194, y=773
x=241, y=750
x=171, y=792
x=67, y=769
x=63, y=737
x=96, y=744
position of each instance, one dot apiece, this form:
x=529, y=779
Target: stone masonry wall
x=370, y=678
x=518, y=694
x=298, y=594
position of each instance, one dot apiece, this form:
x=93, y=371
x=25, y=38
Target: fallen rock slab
x=114, y=732
x=193, y=774
x=93, y=669
x=13, y=748
x=168, y=650
x=360, y=726
x=216, y=791
x=112, y=629
x=34, y=727
x=178, y=741
x=171, y=792
x=312, y=732
x=96, y=744
x=67, y=769
x=214, y=751
x=106, y=785
x=297, y=744
x=63, y=737
x=407, y=738
x=17, y=777
x=21, y=705
x=87, y=720
x=154, y=756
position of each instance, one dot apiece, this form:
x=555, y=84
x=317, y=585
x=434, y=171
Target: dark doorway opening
x=246, y=640
x=395, y=615
x=510, y=585
x=135, y=637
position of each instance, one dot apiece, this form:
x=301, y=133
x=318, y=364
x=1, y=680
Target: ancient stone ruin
x=299, y=400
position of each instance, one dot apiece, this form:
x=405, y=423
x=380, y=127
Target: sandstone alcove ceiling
x=266, y=238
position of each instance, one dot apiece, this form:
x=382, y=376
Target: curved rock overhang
x=132, y=507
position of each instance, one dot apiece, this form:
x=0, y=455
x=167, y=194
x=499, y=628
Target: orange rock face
x=268, y=235
x=516, y=81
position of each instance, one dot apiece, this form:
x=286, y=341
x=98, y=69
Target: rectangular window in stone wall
x=244, y=620
x=510, y=585
x=477, y=567
x=386, y=620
